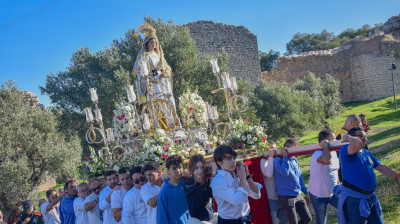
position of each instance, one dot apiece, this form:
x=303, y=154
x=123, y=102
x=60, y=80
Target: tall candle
x=234, y=84
x=130, y=93
x=93, y=94
x=97, y=112
x=215, y=115
x=110, y=135
x=89, y=115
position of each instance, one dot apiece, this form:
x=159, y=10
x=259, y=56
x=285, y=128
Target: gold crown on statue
x=148, y=31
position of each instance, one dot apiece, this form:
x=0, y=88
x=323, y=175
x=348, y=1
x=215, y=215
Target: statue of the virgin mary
x=154, y=81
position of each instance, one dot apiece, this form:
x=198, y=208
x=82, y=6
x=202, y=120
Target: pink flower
x=246, y=121
x=164, y=156
x=119, y=118
x=123, y=115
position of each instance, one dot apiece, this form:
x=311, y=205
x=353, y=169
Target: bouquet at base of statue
x=156, y=149
x=193, y=110
x=125, y=124
x=249, y=137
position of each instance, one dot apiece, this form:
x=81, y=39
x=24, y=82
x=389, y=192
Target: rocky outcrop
x=32, y=99
x=392, y=26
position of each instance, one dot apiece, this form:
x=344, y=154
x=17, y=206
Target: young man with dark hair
x=172, y=206
x=92, y=202
x=357, y=200
x=111, y=178
x=134, y=209
x=117, y=198
x=288, y=183
x=323, y=177
x=267, y=168
x=49, y=209
x=138, y=177
x=150, y=190
x=67, y=214
x=231, y=190
x=79, y=204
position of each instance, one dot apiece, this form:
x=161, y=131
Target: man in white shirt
x=105, y=196
x=323, y=177
x=79, y=203
x=92, y=202
x=267, y=168
x=117, y=198
x=49, y=209
x=134, y=209
x=231, y=192
x=150, y=191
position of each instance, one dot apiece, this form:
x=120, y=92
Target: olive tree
x=31, y=148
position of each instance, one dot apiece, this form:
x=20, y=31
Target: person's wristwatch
x=248, y=176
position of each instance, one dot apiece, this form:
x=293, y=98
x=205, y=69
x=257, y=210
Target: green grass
x=383, y=142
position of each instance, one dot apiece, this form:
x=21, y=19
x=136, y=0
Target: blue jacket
x=172, y=206
x=365, y=210
x=288, y=177
x=67, y=214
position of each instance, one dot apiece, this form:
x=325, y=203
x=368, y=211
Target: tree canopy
x=267, y=60
x=304, y=42
x=31, y=148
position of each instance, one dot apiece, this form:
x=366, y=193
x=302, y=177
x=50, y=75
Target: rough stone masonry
x=237, y=41
x=362, y=65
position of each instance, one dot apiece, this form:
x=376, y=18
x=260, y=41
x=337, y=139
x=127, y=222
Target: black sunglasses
x=141, y=179
x=97, y=188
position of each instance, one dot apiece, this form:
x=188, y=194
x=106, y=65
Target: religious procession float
x=147, y=127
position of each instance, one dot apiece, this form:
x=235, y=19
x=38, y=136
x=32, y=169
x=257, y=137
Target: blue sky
x=45, y=41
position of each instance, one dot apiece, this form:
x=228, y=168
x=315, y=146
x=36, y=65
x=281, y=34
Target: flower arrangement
x=193, y=110
x=249, y=136
x=125, y=124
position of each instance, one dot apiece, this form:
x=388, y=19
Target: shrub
x=288, y=112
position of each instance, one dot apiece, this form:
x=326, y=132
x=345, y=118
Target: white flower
x=249, y=136
x=151, y=150
x=243, y=138
x=156, y=159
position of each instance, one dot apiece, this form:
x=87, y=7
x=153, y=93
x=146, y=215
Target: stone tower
x=237, y=41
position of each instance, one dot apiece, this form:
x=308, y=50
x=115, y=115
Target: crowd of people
x=145, y=195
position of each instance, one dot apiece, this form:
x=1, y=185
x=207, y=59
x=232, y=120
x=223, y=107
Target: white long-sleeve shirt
x=80, y=213
x=231, y=199
x=267, y=169
x=94, y=214
x=108, y=217
x=149, y=191
x=134, y=210
x=117, y=199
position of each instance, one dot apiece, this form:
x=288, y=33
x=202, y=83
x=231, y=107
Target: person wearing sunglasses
x=134, y=209
x=357, y=201
x=150, y=190
x=92, y=202
x=79, y=203
x=117, y=198
x=138, y=178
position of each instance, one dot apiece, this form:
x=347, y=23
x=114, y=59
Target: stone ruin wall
x=361, y=65
x=237, y=41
